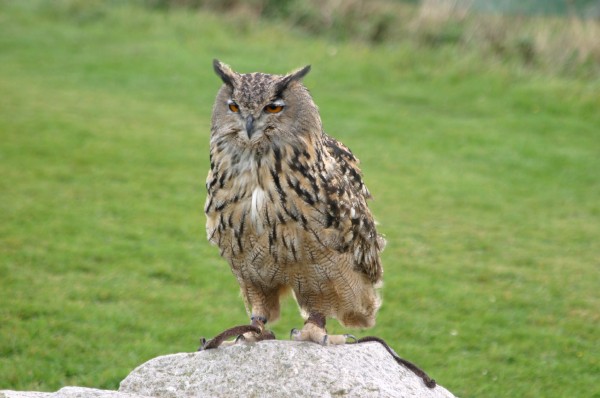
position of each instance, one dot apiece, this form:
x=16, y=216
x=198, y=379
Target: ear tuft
x=300, y=73
x=294, y=76
x=224, y=71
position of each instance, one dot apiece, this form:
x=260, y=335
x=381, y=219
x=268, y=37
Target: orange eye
x=233, y=107
x=273, y=108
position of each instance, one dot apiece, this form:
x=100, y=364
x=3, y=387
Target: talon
x=202, y=343
x=240, y=338
x=293, y=333
x=325, y=340
x=351, y=337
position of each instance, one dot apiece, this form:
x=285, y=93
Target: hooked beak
x=249, y=126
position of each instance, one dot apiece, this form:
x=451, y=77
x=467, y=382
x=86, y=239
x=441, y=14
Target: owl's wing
x=348, y=212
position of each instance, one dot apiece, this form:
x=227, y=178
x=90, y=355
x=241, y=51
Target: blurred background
x=477, y=124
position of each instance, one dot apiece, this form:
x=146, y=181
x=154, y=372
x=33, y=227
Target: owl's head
x=258, y=109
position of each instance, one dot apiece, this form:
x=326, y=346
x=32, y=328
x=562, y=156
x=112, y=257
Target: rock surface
x=279, y=369
x=69, y=392
x=265, y=369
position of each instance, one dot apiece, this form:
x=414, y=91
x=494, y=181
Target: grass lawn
x=486, y=180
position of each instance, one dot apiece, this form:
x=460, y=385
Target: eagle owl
x=287, y=207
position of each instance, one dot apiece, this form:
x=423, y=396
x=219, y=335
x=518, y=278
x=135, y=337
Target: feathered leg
x=314, y=330
x=265, y=305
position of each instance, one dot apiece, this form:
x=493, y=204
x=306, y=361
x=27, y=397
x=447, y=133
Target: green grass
x=485, y=177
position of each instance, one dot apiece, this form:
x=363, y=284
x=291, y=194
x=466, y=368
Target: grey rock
x=24, y=394
x=279, y=369
x=69, y=392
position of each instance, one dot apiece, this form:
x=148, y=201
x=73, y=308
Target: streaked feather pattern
x=288, y=207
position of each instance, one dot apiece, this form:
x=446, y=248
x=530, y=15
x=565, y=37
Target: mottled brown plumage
x=287, y=205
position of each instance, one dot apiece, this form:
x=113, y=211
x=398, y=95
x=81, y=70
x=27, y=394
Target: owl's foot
x=245, y=333
x=314, y=330
x=253, y=336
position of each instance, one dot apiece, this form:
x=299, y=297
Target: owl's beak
x=249, y=126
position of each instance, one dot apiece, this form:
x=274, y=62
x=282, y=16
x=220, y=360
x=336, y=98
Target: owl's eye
x=273, y=108
x=233, y=107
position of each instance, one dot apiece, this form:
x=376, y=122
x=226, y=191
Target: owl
x=287, y=207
